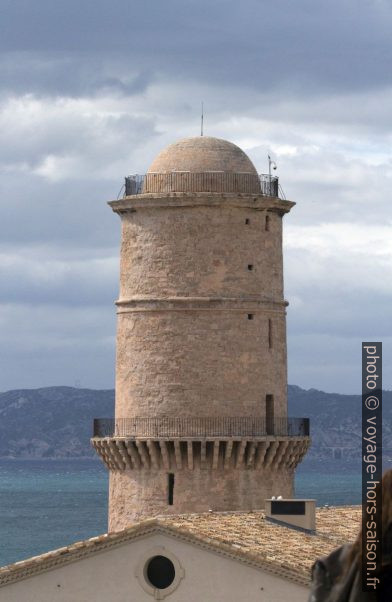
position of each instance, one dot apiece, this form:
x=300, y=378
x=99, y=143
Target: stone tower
x=201, y=371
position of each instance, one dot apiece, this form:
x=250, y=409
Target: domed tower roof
x=201, y=154
x=202, y=164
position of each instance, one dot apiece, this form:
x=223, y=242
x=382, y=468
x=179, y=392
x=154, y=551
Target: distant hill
x=53, y=422
x=335, y=423
x=56, y=422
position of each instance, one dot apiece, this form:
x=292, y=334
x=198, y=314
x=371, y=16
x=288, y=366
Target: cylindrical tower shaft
x=201, y=314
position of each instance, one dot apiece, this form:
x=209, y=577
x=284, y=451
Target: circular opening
x=160, y=572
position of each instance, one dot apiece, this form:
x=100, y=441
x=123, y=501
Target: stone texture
x=135, y=495
x=199, y=363
x=187, y=251
x=184, y=282
x=202, y=154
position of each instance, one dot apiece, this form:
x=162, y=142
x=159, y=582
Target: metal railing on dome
x=243, y=426
x=184, y=181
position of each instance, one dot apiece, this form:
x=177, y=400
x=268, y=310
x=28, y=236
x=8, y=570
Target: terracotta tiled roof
x=250, y=533
x=246, y=536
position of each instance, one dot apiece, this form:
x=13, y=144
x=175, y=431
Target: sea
x=45, y=505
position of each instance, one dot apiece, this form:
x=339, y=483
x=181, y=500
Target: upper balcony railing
x=191, y=427
x=218, y=181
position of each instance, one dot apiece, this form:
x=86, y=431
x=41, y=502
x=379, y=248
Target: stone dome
x=202, y=154
x=202, y=164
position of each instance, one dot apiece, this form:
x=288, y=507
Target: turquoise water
x=46, y=505
x=330, y=483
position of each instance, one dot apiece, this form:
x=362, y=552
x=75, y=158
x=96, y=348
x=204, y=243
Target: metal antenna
x=272, y=164
x=202, y=119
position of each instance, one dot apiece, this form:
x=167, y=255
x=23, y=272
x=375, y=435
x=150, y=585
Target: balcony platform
x=205, y=443
x=210, y=181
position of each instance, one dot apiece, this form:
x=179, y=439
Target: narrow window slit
x=269, y=414
x=250, y=267
x=270, y=333
x=250, y=316
x=267, y=223
x=247, y=221
x=170, y=493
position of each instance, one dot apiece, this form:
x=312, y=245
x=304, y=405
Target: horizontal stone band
x=201, y=304
x=183, y=199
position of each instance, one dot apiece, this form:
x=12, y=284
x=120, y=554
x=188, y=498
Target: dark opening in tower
x=170, y=488
x=269, y=333
x=269, y=414
x=267, y=223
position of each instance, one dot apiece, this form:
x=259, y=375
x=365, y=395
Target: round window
x=160, y=572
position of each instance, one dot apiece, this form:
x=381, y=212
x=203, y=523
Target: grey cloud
x=127, y=86
x=72, y=214
x=303, y=47
x=69, y=74
x=331, y=361
x=40, y=278
x=70, y=207
x=328, y=182
x=40, y=129
x=46, y=345
x=347, y=313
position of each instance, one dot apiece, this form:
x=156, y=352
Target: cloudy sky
x=91, y=90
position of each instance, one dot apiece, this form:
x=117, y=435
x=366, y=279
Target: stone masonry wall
x=137, y=495
x=201, y=251
x=185, y=343
x=200, y=363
